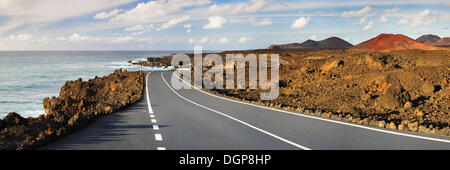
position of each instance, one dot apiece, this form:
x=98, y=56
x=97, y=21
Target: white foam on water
x=26, y=113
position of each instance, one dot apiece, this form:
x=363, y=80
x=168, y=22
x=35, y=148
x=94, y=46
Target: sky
x=213, y=24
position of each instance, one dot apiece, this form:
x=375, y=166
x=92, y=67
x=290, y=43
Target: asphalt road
x=193, y=119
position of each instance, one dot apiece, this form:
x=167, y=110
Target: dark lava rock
x=14, y=119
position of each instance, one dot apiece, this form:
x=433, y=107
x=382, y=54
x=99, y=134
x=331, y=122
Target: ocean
x=27, y=77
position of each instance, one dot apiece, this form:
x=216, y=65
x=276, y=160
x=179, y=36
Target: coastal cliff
x=78, y=104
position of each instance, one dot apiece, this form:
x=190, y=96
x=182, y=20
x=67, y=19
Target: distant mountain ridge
x=428, y=38
x=392, y=42
x=329, y=43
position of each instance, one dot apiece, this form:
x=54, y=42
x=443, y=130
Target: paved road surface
x=192, y=119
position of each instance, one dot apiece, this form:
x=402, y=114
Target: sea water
x=27, y=77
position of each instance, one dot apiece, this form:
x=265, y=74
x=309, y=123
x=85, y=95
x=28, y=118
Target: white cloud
x=188, y=26
x=173, y=22
x=300, y=23
x=44, y=40
x=146, y=11
x=29, y=12
x=224, y=40
x=20, y=37
x=243, y=40
x=361, y=21
x=403, y=21
x=215, y=22
x=312, y=37
x=77, y=37
x=301, y=4
x=356, y=14
x=423, y=18
x=105, y=15
x=253, y=21
x=239, y=20
x=151, y=27
x=238, y=8
x=392, y=10
x=75, y=41
x=191, y=41
x=141, y=29
x=368, y=26
x=123, y=39
x=263, y=22
x=135, y=28
x=383, y=19
x=139, y=33
x=204, y=39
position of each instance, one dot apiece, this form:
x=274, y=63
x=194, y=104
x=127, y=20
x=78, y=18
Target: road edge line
x=150, y=110
x=323, y=119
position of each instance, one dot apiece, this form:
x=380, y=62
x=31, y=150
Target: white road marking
x=324, y=119
x=237, y=120
x=158, y=137
x=150, y=110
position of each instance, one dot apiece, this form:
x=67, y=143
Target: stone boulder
x=413, y=126
x=390, y=97
x=427, y=88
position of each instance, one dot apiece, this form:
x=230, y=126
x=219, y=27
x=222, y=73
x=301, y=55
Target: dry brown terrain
x=405, y=90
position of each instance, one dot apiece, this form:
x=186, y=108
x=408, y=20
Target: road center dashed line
x=158, y=137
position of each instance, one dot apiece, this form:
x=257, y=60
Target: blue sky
x=214, y=24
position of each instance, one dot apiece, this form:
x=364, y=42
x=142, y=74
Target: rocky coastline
x=78, y=104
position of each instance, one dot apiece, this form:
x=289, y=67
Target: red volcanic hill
x=445, y=40
x=391, y=42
